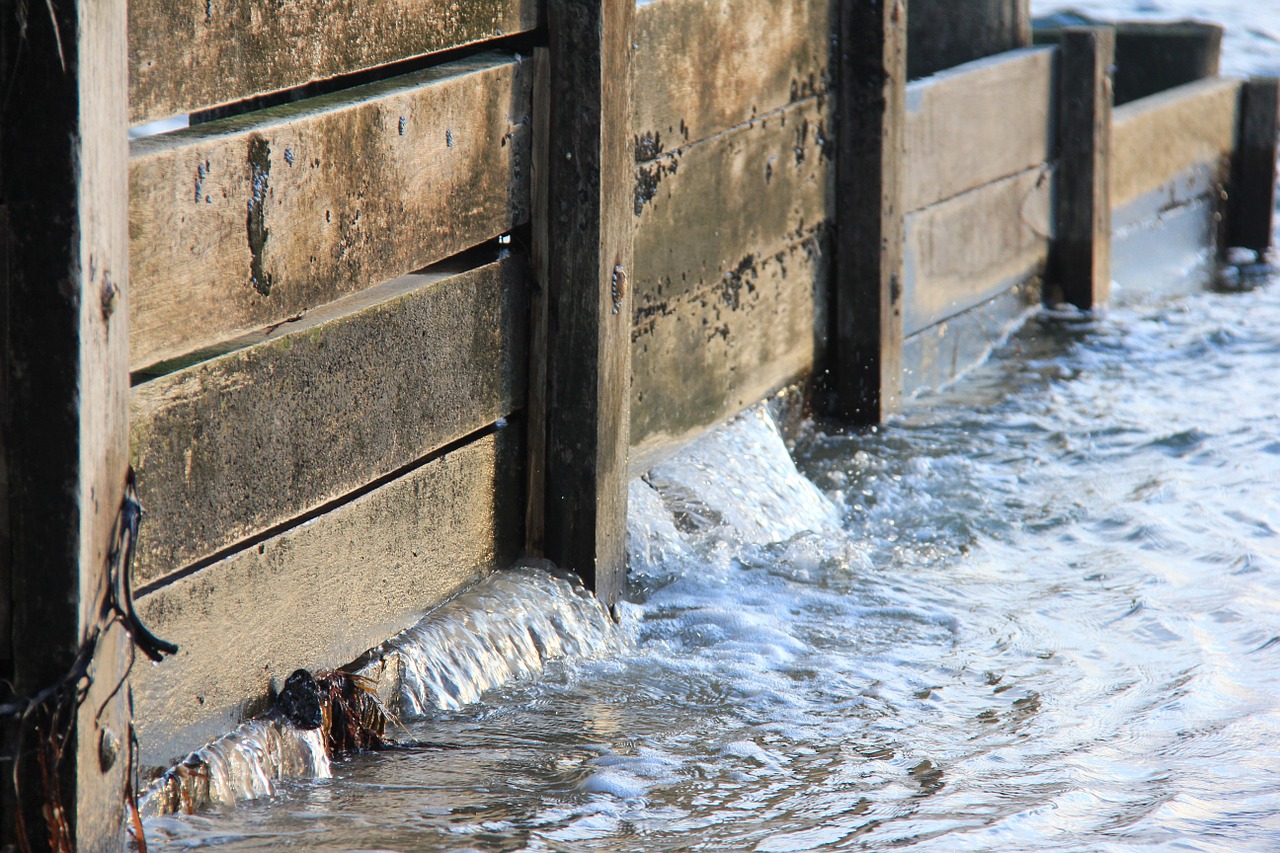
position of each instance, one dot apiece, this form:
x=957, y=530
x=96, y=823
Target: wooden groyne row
x=424, y=283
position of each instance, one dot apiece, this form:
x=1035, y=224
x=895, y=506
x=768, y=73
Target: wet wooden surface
x=248, y=221
x=1253, y=178
x=236, y=445
x=185, y=55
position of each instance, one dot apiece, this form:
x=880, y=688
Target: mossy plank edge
x=969, y=248
x=765, y=54
x=707, y=209
x=236, y=445
x=341, y=192
x=1158, y=137
x=320, y=594
x=186, y=55
x=974, y=124
x=707, y=355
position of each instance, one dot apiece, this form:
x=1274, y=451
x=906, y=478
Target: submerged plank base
x=322, y=593
x=185, y=55
x=236, y=445
x=245, y=222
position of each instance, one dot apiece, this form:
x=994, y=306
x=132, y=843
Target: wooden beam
x=187, y=55
x=64, y=182
x=944, y=33
x=1081, y=253
x=1154, y=56
x=867, y=286
x=342, y=192
x=1253, y=182
x=589, y=220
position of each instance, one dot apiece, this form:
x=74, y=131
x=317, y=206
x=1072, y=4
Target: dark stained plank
x=1253, y=181
x=977, y=123
x=186, y=55
x=236, y=445
x=1154, y=56
x=717, y=205
x=867, y=284
x=589, y=217
x=968, y=249
x=245, y=222
x=320, y=594
x=64, y=297
x=700, y=357
x=944, y=33
x=765, y=55
x=1081, y=254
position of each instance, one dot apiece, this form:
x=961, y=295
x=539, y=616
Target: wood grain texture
x=968, y=249
x=241, y=443
x=186, y=55
x=712, y=207
x=867, y=285
x=1253, y=178
x=702, y=356
x=245, y=222
x=977, y=123
x=63, y=414
x=319, y=595
x=765, y=55
x=1159, y=137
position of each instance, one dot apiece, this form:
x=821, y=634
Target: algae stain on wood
x=256, y=221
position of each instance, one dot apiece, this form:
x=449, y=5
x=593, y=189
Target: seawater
x=1038, y=611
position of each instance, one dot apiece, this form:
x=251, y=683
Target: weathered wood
x=63, y=178
x=977, y=123
x=239, y=444
x=966, y=250
x=1253, y=180
x=589, y=221
x=320, y=594
x=185, y=55
x=1157, y=138
x=944, y=33
x=341, y=192
x=702, y=356
x=765, y=55
x=540, y=257
x=1082, y=251
x=693, y=228
x=867, y=285
x=1152, y=57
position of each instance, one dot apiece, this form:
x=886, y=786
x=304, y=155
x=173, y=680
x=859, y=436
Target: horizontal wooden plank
x=1157, y=138
x=185, y=55
x=943, y=33
x=699, y=358
x=977, y=123
x=765, y=54
x=247, y=221
x=719, y=205
x=319, y=595
x=963, y=251
x=1167, y=255
x=236, y=445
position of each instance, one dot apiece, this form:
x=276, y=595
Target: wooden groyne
x=423, y=284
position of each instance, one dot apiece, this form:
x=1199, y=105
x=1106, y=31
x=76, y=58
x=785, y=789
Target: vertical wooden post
x=1252, y=199
x=64, y=182
x=588, y=244
x=867, y=285
x=1081, y=252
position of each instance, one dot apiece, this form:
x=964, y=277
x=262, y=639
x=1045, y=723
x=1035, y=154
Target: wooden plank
x=1253, y=182
x=341, y=191
x=540, y=256
x=693, y=228
x=65, y=295
x=867, y=286
x=702, y=356
x=1159, y=137
x=944, y=34
x=766, y=54
x=1082, y=251
x=1154, y=56
x=589, y=241
x=186, y=55
x=966, y=250
x=234, y=446
x=246, y=622
x=977, y=123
